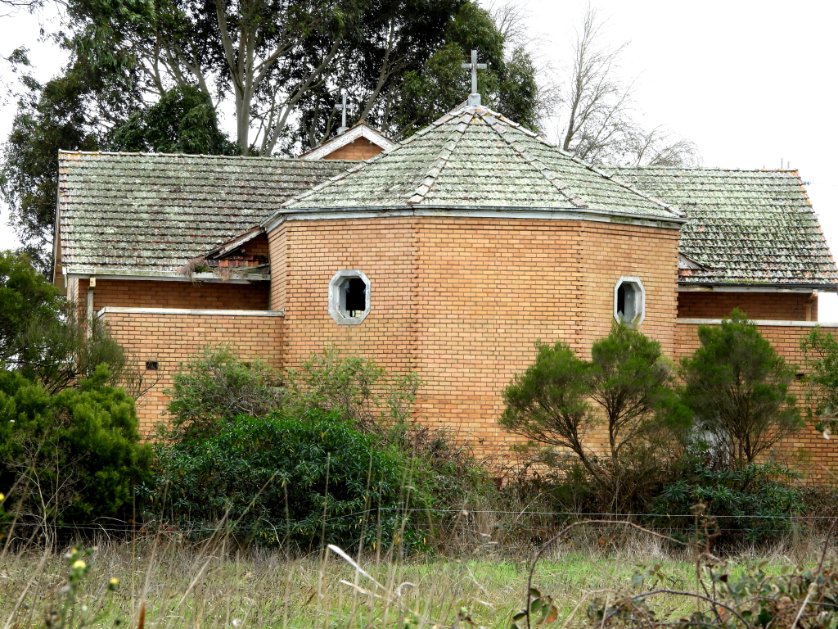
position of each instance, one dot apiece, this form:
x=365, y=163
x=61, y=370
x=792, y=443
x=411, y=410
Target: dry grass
x=185, y=586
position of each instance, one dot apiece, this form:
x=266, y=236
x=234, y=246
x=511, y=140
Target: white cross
x=474, y=97
x=341, y=107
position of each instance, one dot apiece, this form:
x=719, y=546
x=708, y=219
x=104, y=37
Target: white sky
x=751, y=82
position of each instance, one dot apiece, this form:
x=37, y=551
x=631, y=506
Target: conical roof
x=476, y=159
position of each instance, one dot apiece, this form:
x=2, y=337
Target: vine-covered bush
x=70, y=457
x=296, y=481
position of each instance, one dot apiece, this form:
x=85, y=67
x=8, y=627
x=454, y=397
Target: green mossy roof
x=745, y=227
x=476, y=158
x=147, y=214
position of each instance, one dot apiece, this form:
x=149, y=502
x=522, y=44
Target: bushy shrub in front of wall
x=752, y=504
x=71, y=458
x=293, y=481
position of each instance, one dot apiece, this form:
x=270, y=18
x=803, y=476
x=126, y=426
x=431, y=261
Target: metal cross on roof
x=341, y=107
x=474, y=97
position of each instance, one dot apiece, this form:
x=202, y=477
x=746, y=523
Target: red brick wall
x=463, y=301
x=807, y=450
x=772, y=306
x=188, y=295
x=173, y=339
x=359, y=149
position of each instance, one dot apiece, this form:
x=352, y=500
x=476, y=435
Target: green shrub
x=737, y=388
x=281, y=480
x=43, y=337
x=755, y=504
x=70, y=457
x=625, y=393
x=352, y=387
x=217, y=386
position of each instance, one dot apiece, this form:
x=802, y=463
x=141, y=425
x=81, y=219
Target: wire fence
x=463, y=517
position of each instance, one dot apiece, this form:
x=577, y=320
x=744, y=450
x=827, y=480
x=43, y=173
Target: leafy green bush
x=69, y=457
x=43, y=336
x=352, y=387
x=754, y=504
x=281, y=480
x=218, y=386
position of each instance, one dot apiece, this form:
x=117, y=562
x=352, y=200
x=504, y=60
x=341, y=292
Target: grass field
x=195, y=587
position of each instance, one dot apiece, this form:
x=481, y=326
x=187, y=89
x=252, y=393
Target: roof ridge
x=441, y=160
x=538, y=165
x=358, y=166
x=272, y=158
x=698, y=169
x=567, y=191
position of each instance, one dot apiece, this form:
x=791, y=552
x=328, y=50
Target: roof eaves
x=571, y=212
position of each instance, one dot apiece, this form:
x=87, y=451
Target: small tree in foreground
x=737, y=387
x=624, y=393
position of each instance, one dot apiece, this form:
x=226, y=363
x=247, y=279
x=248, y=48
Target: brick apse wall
x=173, y=337
x=462, y=301
x=807, y=450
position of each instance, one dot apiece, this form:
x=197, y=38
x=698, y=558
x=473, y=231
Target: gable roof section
x=475, y=159
x=360, y=130
x=147, y=214
x=745, y=227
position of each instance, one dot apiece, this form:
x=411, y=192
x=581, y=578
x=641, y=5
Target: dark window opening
x=621, y=301
x=151, y=365
x=629, y=302
x=356, y=296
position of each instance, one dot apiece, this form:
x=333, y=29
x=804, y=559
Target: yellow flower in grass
x=2, y=497
x=113, y=583
x=79, y=564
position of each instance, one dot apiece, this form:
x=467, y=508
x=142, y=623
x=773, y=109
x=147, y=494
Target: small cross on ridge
x=341, y=107
x=474, y=97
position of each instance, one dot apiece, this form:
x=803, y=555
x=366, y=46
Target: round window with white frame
x=349, y=297
x=629, y=301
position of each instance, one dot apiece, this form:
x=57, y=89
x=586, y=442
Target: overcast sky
x=750, y=82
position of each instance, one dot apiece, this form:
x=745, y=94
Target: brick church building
x=448, y=254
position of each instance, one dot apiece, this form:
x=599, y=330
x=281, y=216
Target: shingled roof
x=474, y=158
x=147, y=214
x=745, y=227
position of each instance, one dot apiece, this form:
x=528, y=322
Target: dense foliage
x=219, y=386
x=755, y=504
x=71, y=457
x=43, y=337
x=297, y=480
x=737, y=388
x=624, y=393
x=182, y=121
x=227, y=412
